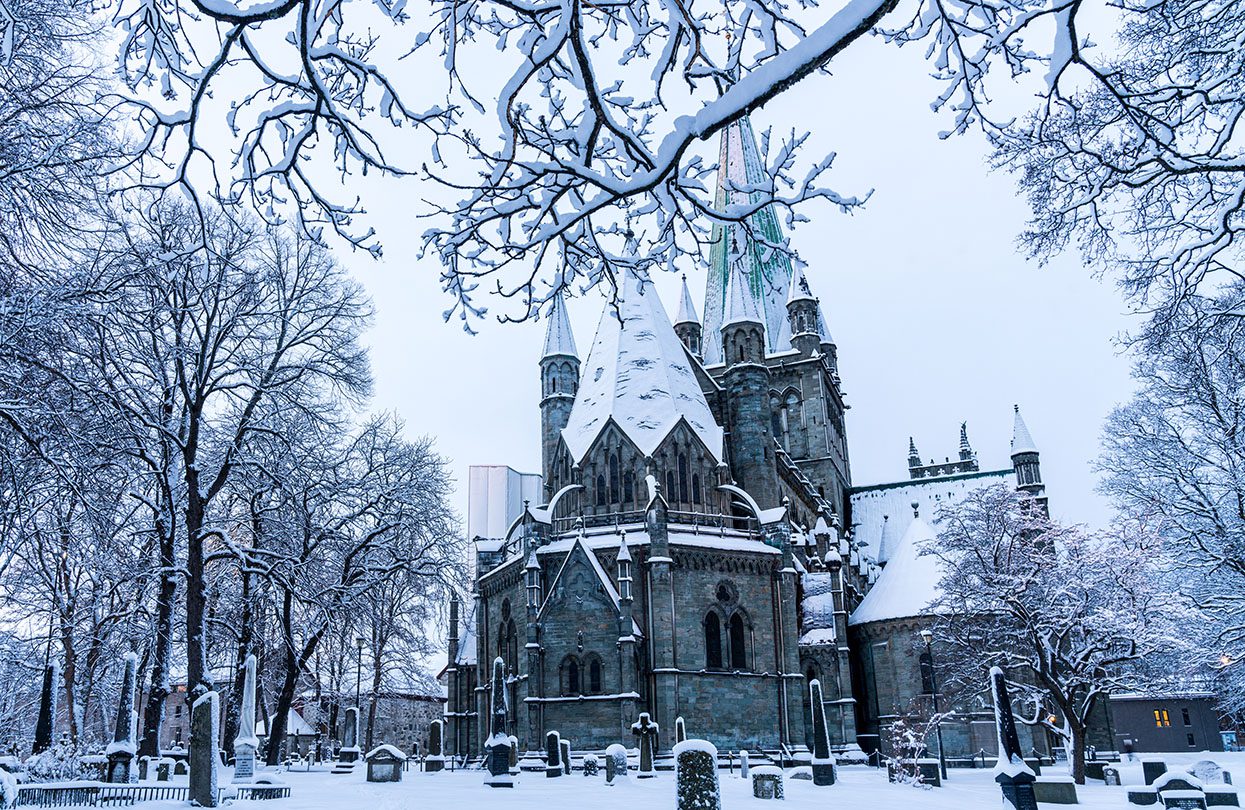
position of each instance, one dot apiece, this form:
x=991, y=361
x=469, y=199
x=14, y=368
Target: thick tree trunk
x=371, y=707
x=246, y=634
x=198, y=678
x=1076, y=752
x=153, y=715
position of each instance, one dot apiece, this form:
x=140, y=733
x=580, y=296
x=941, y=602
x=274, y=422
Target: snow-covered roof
x=637, y=374
x=817, y=608
x=741, y=300
x=687, y=309
x=881, y=514
x=1022, y=440
x=467, y=637
x=294, y=724
x=740, y=168
x=908, y=583
x=559, y=339
x=800, y=289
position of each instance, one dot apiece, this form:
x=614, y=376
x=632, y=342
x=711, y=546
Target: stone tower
x=802, y=313
x=1025, y=459
x=687, y=322
x=747, y=383
x=559, y=382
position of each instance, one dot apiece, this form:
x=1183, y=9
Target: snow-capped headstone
x=1011, y=772
x=514, y=755
x=680, y=730
x=767, y=782
x=435, y=760
x=553, y=755
x=497, y=749
x=204, y=714
x=743, y=764
x=47, y=710
x=246, y=743
x=1210, y=772
x=823, y=760
x=384, y=763
x=646, y=730
x=566, y=756
x=615, y=764
x=696, y=776
x=124, y=745
x=350, y=737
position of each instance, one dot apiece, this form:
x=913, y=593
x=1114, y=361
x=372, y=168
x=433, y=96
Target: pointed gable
x=740, y=168
x=581, y=580
x=638, y=375
x=908, y=583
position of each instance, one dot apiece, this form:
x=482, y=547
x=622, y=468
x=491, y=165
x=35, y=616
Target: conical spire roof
x=964, y=445
x=800, y=289
x=1022, y=441
x=740, y=168
x=559, y=340
x=687, y=309
x=741, y=302
x=637, y=374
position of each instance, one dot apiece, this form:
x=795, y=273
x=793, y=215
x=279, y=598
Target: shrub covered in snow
x=591, y=767
x=8, y=789
x=60, y=763
x=615, y=763
x=696, y=776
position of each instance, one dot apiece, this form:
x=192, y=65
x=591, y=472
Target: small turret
x=914, y=458
x=532, y=575
x=687, y=322
x=743, y=325
x=1025, y=459
x=802, y=312
x=966, y=449
x=559, y=380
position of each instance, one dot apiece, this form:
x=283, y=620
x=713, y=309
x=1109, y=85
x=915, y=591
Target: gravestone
x=350, y=737
x=47, y=709
x=1014, y=777
x=1055, y=790
x=498, y=745
x=1209, y=772
x=696, y=776
x=124, y=746
x=743, y=764
x=435, y=761
x=246, y=743
x=566, y=757
x=384, y=764
x=767, y=782
x=553, y=755
x=181, y=767
x=1152, y=769
x=164, y=769
x=823, y=760
x=646, y=730
x=514, y=755
x=680, y=730
x=204, y=761
x=591, y=766
x=615, y=764
x=1111, y=776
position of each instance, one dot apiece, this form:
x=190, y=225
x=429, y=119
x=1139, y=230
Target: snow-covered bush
x=615, y=763
x=696, y=776
x=60, y=763
x=591, y=767
x=8, y=789
x=907, y=744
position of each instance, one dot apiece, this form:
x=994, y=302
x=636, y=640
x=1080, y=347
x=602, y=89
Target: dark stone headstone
x=384, y=764
x=553, y=755
x=823, y=761
x=498, y=748
x=203, y=756
x=435, y=760
x=767, y=782
x=646, y=730
x=1054, y=790
x=1111, y=776
x=566, y=757
x=1014, y=777
x=124, y=747
x=680, y=730
x=350, y=737
x=1152, y=769
x=696, y=776
x=615, y=764
x=743, y=764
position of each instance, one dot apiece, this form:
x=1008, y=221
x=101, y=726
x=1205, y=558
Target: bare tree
x=1176, y=454
x=1069, y=615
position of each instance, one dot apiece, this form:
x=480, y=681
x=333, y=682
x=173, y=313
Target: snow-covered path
x=859, y=787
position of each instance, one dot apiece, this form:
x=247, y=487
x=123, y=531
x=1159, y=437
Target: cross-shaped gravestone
x=646, y=730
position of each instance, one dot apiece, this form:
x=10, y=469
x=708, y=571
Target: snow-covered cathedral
x=700, y=550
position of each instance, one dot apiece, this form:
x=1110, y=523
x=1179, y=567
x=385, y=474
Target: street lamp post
x=359, y=643
x=928, y=637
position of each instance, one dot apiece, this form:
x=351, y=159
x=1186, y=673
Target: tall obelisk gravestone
x=498, y=745
x=246, y=743
x=1011, y=772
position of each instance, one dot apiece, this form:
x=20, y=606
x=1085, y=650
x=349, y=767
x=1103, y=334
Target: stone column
x=350, y=736
x=204, y=741
x=663, y=701
x=245, y=744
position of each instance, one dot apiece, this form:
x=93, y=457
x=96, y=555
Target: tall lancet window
x=713, y=641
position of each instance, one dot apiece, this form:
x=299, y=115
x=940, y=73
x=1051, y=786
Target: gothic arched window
x=570, y=676
x=671, y=492
x=739, y=658
x=600, y=490
x=628, y=487
x=927, y=673
x=695, y=488
x=594, y=676
x=615, y=483
x=713, y=641
x=683, y=498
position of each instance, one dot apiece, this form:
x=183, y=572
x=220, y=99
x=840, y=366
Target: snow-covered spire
x=637, y=374
x=740, y=167
x=741, y=302
x=914, y=458
x=800, y=289
x=687, y=309
x=559, y=340
x=1022, y=441
x=966, y=449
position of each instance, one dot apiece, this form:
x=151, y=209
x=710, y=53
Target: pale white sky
x=937, y=316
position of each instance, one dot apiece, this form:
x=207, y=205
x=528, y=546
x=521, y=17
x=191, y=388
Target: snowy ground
x=859, y=787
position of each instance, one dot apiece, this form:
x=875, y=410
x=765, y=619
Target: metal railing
x=125, y=795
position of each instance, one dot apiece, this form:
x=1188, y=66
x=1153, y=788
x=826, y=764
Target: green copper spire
x=740, y=168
